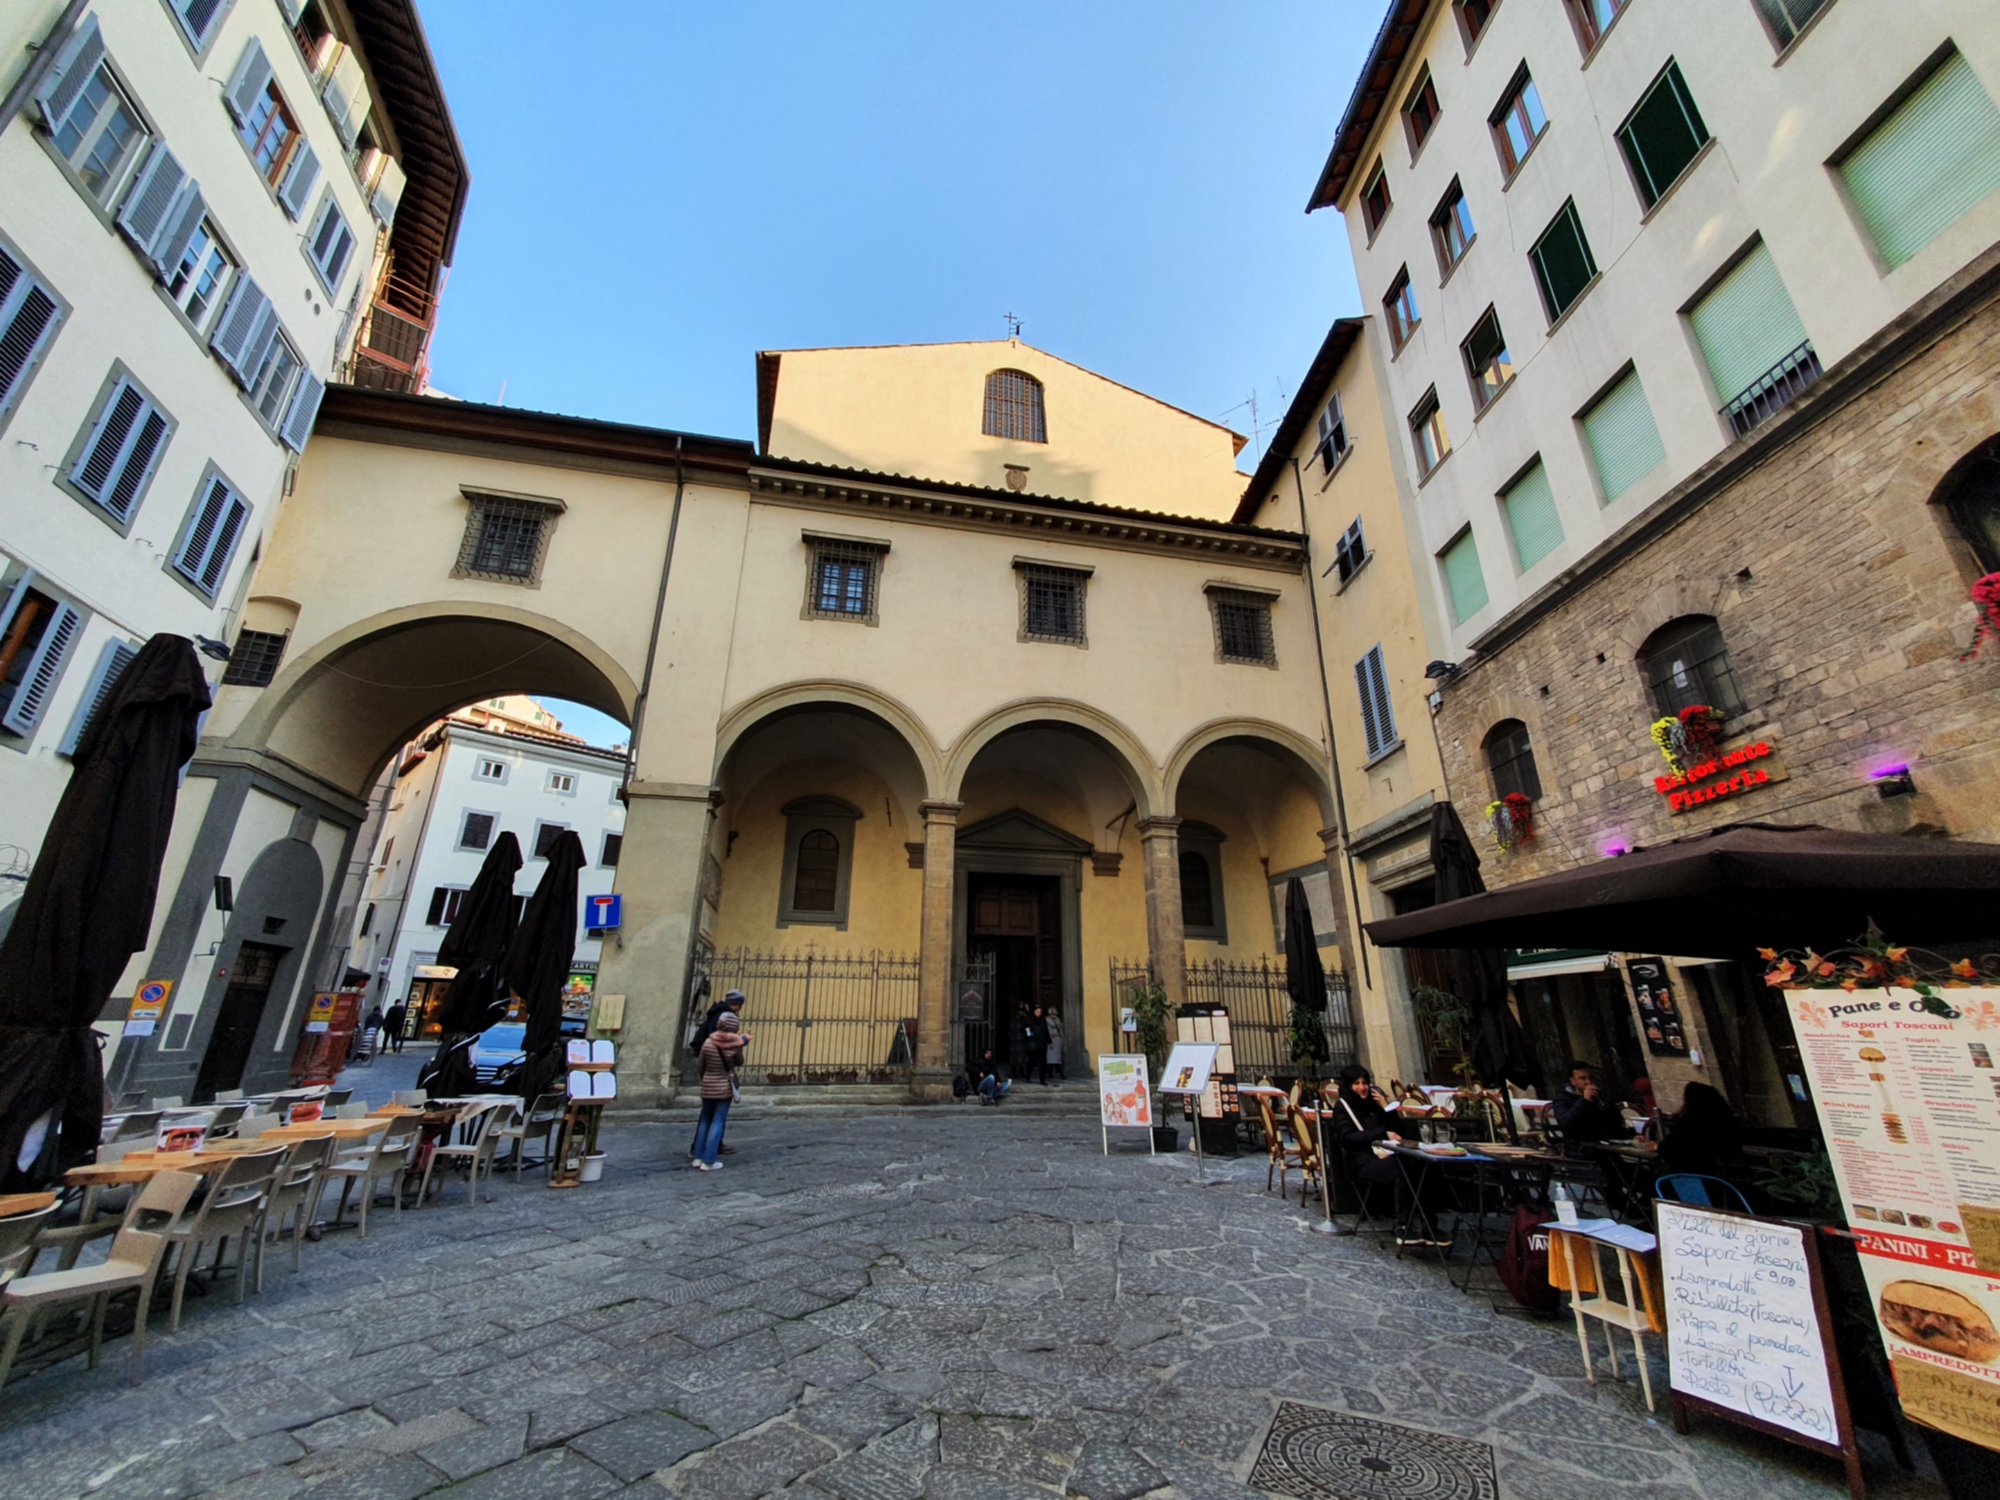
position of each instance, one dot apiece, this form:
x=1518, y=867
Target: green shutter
x=1929, y=162
x=1462, y=577
x=1623, y=440
x=1531, y=515
x=1746, y=325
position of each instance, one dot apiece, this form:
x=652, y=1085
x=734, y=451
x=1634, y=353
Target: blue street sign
x=602, y=913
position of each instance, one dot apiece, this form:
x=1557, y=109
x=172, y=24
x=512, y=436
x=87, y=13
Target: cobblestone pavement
x=953, y=1303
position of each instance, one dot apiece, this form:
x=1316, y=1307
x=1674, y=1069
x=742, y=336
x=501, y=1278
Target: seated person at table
x=1358, y=1123
x=1583, y=1114
x=1705, y=1137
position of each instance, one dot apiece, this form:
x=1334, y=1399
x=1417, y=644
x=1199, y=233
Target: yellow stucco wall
x=917, y=409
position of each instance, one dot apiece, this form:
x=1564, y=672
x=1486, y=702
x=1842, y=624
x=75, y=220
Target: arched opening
x=1970, y=496
x=1510, y=760
x=1686, y=664
x=1014, y=407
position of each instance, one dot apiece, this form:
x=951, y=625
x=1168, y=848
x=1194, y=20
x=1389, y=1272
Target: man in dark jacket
x=392, y=1025
x=1583, y=1114
x=1035, y=1046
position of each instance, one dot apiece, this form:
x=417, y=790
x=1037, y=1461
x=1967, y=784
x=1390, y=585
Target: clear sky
x=661, y=189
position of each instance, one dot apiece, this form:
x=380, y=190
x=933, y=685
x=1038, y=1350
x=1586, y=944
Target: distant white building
x=501, y=765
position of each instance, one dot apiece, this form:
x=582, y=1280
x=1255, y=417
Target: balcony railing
x=392, y=353
x=1774, y=390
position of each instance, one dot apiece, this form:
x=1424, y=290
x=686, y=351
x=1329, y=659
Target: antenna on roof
x=1013, y=325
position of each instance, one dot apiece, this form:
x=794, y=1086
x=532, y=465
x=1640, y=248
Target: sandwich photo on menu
x=1939, y=1319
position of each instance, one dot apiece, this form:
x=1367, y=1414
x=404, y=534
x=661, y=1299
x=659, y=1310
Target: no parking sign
x=148, y=1005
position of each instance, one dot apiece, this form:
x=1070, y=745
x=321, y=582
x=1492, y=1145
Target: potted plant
x=1149, y=1010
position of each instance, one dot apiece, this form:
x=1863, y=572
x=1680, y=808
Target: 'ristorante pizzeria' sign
x=1731, y=773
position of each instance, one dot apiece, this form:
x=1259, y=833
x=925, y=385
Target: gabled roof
x=1304, y=408
x=1371, y=94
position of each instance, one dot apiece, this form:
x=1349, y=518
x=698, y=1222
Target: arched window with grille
x=1972, y=496
x=1197, y=891
x=819, y=862
x=1202, y=915
x=1686, y=662
x=816, y=881
x=1511, y=759
x=1014, y=407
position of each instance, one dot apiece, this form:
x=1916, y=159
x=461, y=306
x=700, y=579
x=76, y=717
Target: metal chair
x=233, y=1208
x=477, y=1152
x=540, y=1121
x=133, y=1265
x=1699, y=1191
x=388, y=1156
x=295, y=1194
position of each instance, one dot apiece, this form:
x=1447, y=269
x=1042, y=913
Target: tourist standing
x=1055, y=1052
x=720, y=1055
x=372, y=1035
x=731, y=1004
x=392, y=1026
x=1035, y=1045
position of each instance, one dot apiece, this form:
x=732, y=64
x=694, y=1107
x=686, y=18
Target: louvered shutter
x=1929, y=162
x=244, y=330
x=1747, y=325
x=293, y=9
x=180, y=232
x=346, y=96
x=1623, y=439
x=154, y=205
x=388, y=194
x=1463, y=578
x=57, y=92
x=1531, y=515
x=212, y=536
x=198, y=18
x=298, y=423
x=299, y=179
x=111, y=664
x=119, y=455
x=332, y=243
x=1378, y=680
x=38, y=681
x=1365, y=690
x=28, y=317
x=248, y=82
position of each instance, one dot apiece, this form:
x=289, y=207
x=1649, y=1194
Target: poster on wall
x=1659, y=1014
x=1908, y=1096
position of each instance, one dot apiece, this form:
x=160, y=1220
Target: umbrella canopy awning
x=1726, y=893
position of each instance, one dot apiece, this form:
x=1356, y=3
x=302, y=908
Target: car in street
x=498, y=1049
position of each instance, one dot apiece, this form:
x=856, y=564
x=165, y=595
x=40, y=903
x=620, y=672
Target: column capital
x=940, y=812
x=1158, y=827
x=1329, y=839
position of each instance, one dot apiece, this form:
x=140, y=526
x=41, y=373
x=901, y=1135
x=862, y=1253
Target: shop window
x=844, y=579
x=1563, y=264
x=1242, y=627
x=1518, y=122
x=1934, y=156
x=1663, y=135
x=1202, y=914
x=1014, y=407
x=1973, y=501
x=1511, y=759
x=1420, y=112
x=819, y=862
x=1375, y=199
x=1686, y=662
x=1052, y=603
x=1399, y=310
x=1451, y=227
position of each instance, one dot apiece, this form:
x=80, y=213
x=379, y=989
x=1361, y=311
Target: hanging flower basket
x=1985, y=598
x=1512, y=819
x=1689, y=738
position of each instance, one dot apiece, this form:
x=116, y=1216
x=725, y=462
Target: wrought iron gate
x=822, y=1017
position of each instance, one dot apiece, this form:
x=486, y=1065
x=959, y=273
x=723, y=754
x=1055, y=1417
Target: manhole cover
x=1329, y=1455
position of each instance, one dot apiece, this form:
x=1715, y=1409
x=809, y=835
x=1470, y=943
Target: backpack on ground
x=1524, y=1261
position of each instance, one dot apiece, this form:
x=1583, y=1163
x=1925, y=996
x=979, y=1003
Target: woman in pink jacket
x=720, y=1055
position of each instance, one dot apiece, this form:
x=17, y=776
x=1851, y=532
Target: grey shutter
x=248, y=82
x=198, y=18
x=28, y=315
x=212, y=536
x=1366, y=690
x=332, y=242
x=1385, y=717
x=244, y=330
x=299, y=179
x=44, y=668
x=62, y=83
x=298, y=423
x=120, y=450
x=153, y=203
x=110, y=666
x=180, y=232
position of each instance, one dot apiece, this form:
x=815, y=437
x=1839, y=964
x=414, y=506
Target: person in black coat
x=1360, y=1121
x=1035, y=1046
x=392, y=1025
x=1705, y=1137
x=1583, y=1114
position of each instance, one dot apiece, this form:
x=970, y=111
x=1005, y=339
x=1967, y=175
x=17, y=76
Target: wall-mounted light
x=1611, y=848
x=225, y=893
x=213, y=649
x=1893, y=781
x=1441, y=671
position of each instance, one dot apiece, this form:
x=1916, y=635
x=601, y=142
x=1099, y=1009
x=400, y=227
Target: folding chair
x=540, y=1121
x=388, y=1156
x=233, y=1208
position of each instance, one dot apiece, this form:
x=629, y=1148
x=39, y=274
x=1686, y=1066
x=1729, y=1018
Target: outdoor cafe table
x=1629, y=1168
x=340, y=1130
x=1484, y=1178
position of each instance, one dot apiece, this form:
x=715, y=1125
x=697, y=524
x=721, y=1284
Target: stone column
x=1166, y=942
x=933, y=1074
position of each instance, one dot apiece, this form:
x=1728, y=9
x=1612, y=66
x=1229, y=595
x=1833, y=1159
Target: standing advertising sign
x=1909, y=1099
x=1124, y=1097
x=1659, y=1017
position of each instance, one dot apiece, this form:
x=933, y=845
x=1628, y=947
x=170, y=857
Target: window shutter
x=1746, y=325
x=154, y=203
x=119, y=455
x=212, y=536
x=14, y=597
x=346, y=96
x=293, y=9
x=1463, y=579
x=332, y=243
x=62, y=83
x=1624, y=442
x=180, y=231
x=244, y=330
x=248, y=82
x=436, y=915
x=1365, y=689
x=43, y=670
x=110, y=665
x=299, y=179
x=478, y=830
x=198, y=18
x=1378, y=679
x=388, y=192
x=28, y=316
x=1531, y=515
x=1929, y=162
x=298, y=423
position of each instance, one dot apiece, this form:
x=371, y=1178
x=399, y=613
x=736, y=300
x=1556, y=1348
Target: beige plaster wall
x=917, y=409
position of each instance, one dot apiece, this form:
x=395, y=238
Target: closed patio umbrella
x=1305, y=979
x=87, y=909
x=1500, y=1049
x=537, y=965
x=475, y=946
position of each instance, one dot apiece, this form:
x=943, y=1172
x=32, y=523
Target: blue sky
x=661, y=189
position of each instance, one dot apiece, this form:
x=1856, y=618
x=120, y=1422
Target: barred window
x=506, y=539
x=1511, y=759
x=1686, y=662
x=477, y=831
x=842, y=581
x=1052, y=603
x=1242, y=627
x=255, y=660
x=1014, y=407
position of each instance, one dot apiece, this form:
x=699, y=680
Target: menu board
x=1659, y=1016
x=1188, y=1067
x=1743, y=1330
x=1909, y=1100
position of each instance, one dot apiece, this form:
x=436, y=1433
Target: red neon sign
x=1684, y=792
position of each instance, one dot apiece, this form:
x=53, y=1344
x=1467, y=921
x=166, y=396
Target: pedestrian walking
x=1035, y=1046
x=392, y=1025
x=371, y=1033
x=1055, y=1052
x=731, y=1004
x=720, y=1055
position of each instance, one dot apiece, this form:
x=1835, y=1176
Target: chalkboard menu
x=1659, y=1014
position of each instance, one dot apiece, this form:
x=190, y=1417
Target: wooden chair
x=540, y=1121
x=1312, y=1169
x=1283, y=1157
x=294, y=1195
x=233, y=1208
x=133, y=1266
x=388, y=1156
x=476, y=1152
x=1585, y=1276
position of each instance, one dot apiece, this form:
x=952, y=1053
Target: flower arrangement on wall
x=1986, y=599
x=1872, y=963
x=1512, y=819
x=1689, y=738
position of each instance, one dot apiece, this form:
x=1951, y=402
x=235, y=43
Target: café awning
x=1726, y=893
x=1546, y=963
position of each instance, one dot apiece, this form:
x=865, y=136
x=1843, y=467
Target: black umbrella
x=537, y=965
x=88, y=907
x=1726, y=893
x=1479, y=974
x=478, y=941
x=1305, y=980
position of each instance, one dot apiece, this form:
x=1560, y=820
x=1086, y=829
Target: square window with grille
x=843, y=580
x=477, y=830
x=254, y=661
x=1052, y=603
x=1242, y=627
x=506, y=539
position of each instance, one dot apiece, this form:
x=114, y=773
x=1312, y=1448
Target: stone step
x=1070, y=1099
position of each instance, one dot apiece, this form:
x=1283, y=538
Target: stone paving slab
x=886, y=1306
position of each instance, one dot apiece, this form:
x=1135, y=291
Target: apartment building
x=202, y=203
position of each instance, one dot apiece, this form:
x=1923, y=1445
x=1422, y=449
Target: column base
x=931, y=1085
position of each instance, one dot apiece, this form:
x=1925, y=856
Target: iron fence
x=1259, y=1006
x=822, y=1017
x=1774, y=389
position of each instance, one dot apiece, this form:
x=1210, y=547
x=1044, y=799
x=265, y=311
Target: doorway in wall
x=1015, y=923
x=242, y=1012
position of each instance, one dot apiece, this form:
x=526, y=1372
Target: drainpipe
x=659, y=613
x=1332, y=750
x=44, y=59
